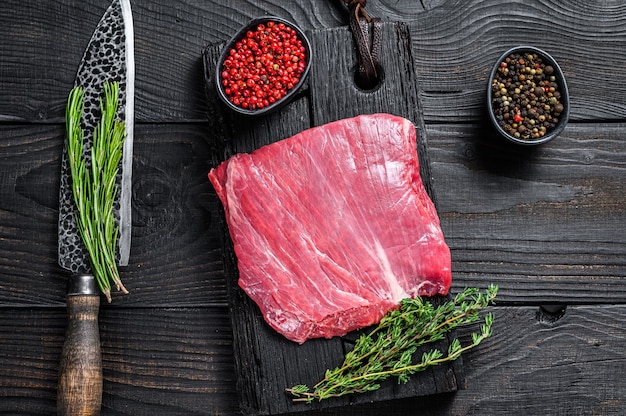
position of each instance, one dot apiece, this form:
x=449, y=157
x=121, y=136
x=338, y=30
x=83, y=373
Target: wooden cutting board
x=267, y=363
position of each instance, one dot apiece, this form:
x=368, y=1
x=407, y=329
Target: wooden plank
x=454, y=44
x=31, y=165
x=178, y=361
x=176, y=256
x=563, y=232
x=175, y=359
x=168, y=360
x=545, y=223
x=267, y=363
x=172, y=361
x=176, y=249
x=533, y=365
x=41, y=53
x=169, y=38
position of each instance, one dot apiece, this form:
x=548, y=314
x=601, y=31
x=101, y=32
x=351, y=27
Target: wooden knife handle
x=80, y=377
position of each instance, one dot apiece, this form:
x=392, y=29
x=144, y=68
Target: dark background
x=545, y=224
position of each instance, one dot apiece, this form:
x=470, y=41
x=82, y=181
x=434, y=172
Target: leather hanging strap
x=368, y=47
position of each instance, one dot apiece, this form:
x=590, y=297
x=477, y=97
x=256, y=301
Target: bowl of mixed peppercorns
x=263, y=66
x=527, y=96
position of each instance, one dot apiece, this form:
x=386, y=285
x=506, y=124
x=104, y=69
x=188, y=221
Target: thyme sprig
x=389, y=349
x=94, y=185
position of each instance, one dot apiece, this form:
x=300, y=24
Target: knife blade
x=109, y=56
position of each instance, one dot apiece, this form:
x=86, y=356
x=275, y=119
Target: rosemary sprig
x=389, y=349
x=94, y=184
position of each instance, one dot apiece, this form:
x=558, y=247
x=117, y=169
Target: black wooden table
x=545, y=224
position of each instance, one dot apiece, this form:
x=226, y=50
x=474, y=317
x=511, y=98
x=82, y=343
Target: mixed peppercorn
x=526, y=99
x=263, y=66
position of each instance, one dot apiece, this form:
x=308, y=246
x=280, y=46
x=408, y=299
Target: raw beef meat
x=333, y=227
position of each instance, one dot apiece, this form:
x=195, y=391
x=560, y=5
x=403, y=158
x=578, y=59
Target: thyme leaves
x=389, y=349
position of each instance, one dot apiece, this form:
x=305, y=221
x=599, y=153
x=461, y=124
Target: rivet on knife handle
x=80, y=375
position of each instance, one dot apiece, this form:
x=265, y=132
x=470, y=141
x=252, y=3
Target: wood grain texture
x=558, y=368
x=29, y=189
x=173, y=215
x=172, y=361
x=178, y=361
x=456, y=46
x=45, y=50
x=40, y=55
x=559, y=210
x=534, y=366
x=79, y=390
x=454, y=43
x=547, y=224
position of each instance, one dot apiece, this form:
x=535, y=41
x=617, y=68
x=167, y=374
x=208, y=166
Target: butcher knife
x=109, y=56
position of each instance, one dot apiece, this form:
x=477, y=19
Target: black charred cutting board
x=266, y=363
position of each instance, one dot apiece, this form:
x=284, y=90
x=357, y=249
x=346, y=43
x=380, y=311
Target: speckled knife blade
x=109, y=56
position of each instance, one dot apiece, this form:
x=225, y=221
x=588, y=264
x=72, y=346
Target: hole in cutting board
x=368, y=85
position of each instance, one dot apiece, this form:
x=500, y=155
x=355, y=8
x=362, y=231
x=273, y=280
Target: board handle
x=79, y=390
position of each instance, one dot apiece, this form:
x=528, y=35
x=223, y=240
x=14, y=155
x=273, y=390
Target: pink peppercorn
x=264, y=66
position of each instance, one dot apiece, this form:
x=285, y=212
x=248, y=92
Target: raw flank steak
x=332, y=227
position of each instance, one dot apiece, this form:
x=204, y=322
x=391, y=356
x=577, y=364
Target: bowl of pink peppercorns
x=263, y=66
